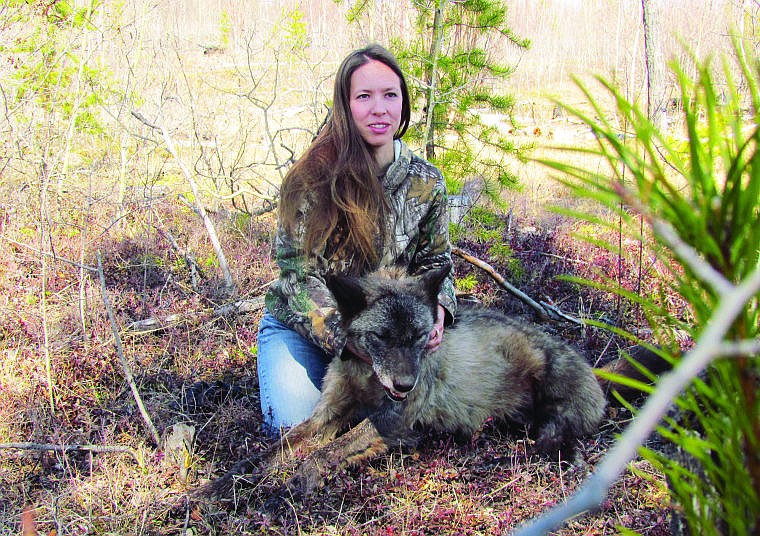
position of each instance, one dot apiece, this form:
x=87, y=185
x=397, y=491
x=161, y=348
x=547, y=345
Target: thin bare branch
x=195, y=270
x=241, y=307
x=229, y=282
x=543, y=310
x=153, y=324
x=50, y=254
x=69, y=448
x=120, y=351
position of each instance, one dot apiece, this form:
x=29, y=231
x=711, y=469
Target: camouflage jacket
x=417, y=236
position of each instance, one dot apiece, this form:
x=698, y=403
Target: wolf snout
x=404, y=385
x=401, y=388
x=397, y=372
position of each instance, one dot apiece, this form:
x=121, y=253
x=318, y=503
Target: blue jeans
x=290, y=370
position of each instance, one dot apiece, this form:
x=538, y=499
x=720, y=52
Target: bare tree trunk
x=435, y=52
x=655, y=63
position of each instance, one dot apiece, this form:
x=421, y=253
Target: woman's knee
x=290, y=371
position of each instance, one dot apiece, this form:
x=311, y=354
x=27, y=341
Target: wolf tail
x=632, y=374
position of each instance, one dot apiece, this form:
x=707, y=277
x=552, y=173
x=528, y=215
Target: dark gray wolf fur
x=489, y=365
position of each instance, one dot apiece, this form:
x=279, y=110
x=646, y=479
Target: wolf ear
x=349, y=295
x=432, y=281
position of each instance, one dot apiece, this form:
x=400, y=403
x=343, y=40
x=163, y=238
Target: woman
x=356, y=200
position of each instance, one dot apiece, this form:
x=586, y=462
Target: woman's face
x=376, y=102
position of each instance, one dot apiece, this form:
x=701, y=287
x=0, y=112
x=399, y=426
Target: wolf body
x=488, y=366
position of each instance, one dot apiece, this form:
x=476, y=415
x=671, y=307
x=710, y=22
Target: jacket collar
x=399, y=169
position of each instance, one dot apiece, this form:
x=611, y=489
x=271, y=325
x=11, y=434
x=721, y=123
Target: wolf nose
x=404, y=385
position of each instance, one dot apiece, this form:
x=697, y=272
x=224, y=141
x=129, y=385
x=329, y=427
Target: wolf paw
x=306, y=479
x=556, y=446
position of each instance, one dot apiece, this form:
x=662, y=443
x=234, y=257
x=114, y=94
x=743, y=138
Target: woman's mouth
x=379, y=128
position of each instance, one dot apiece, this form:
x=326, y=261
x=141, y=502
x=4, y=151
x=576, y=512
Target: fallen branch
x=250, y=305
x=247, y=305
x=543, y=310
x=120, y=351
x=239, y=307
x=83, y=448
x=153, y=324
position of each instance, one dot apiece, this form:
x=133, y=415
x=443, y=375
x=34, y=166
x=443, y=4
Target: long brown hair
x=338, y=177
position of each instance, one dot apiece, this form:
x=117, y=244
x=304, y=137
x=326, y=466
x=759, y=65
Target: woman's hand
x=436, y=335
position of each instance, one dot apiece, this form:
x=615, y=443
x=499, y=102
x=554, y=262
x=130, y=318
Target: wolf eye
x=374, y=336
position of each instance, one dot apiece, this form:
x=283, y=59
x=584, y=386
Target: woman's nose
x=378, y=107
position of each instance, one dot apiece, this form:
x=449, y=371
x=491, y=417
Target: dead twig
x=152, y=324
x=195, y=270
x=189, y=205
x=120, y=351
x=53, y=255
x=239, y=307
x=543, y=310
x=82, y=448
x=250, y=305
x=246, y=305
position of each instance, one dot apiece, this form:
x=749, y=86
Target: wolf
x=489, y=365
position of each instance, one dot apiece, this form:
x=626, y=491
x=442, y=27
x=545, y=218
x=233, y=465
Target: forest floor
x=197, y=367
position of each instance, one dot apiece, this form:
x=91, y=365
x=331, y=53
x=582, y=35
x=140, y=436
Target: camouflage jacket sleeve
x=417, y=191
x=434, y=247
x=300, y=299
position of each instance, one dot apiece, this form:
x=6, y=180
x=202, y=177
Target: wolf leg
x=303, y=438
x=359, y=443
x=335, y=411
x=372, y=437
x=323, y=426
x=571, y=406
x=331, y=415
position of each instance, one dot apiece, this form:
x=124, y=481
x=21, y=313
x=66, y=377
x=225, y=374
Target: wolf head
x=388, y=316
